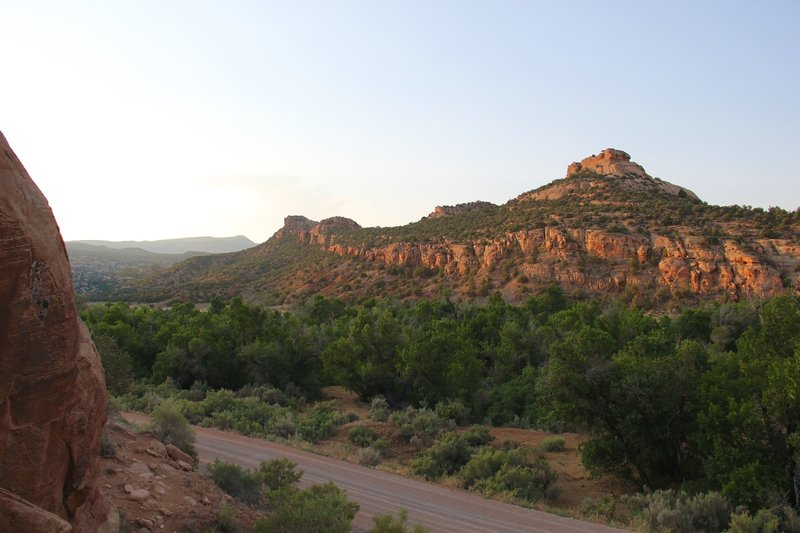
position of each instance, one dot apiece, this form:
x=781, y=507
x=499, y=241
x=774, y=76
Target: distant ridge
x=211, y=245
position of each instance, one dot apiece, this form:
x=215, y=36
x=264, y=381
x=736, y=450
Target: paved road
x=377, y=492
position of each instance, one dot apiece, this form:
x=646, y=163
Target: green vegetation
x=386, y=523
x=171, y=427
x=705, y=401
x=289, y=509
x=487, y=469
x=553, y=444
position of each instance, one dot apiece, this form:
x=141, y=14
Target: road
x=436, y=507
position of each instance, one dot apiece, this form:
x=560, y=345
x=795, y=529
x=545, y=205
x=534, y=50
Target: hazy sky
x=161, y=119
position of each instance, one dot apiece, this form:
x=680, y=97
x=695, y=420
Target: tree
x=441, y=363
x=117, y=364
x=749, y=428
x=637, y=403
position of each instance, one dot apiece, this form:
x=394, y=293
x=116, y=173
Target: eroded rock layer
x=52, y=390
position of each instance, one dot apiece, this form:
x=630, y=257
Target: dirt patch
x=153, y=492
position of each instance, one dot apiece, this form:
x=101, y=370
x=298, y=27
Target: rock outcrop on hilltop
x=444, y=211
x=52, y=389
x=609, y=162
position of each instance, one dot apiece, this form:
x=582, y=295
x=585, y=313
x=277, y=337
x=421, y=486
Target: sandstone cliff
x=443, y=211
x=52, y=390
x=607, y=230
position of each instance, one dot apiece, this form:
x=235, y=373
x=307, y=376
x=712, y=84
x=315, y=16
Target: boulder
x=176, y=454
x=52, y=389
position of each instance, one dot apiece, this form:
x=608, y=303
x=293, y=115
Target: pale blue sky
x=161, y=119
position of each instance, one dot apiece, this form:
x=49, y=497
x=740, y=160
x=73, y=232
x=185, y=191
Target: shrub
x=667, y=510
x=453, y=410
x=422, y=423
x=319, y=422
x=445, y=457
x=362, y=436
x=317, y=508
x=485, y=463
x=379, y=409
x=530, y=483
x=478, y=435
x=226, y=519
x=278, y=474
x=243, y=485
x=604, y=509
x=553, y=444
x=171, y=427
x=494, y=471
x=765, y=520
x=369, y=456
x=386, y=523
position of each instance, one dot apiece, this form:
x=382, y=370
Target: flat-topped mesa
x=442, y=211
x=296, y=225
x=608, y=162
x=307, y=230
x=333, y=223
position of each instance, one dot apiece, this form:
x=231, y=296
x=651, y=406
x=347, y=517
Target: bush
x=226, y=519
x=233, y=479
x=369, y=456
x=379, y=409
x=487, y=461
x=171, y=427
x=766, y=521
x=278, y=474
x=319, y=422
x=386, y=523
x=494, y=471
x=453, y=410
x=362, y=436
x=422, y=423
x=604, y=509
x=553, y=444
x=315, y=509
x=478, y=435
x=667, y=510
x=445, y=457
x=529, y=483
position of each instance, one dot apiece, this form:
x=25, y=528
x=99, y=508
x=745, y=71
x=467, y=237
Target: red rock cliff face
x=52, y=390
x=599, y=261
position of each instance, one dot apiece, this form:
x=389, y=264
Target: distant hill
x=211, y=245
x=608, y=229
x=97, y=269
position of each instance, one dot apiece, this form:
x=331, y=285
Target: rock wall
x=443, y=211
x=52, y=390
x=597, y=261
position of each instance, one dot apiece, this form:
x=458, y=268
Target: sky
x=153, y=119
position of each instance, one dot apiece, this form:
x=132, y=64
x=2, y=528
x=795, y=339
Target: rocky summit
x=52, y=390
x=608, y=229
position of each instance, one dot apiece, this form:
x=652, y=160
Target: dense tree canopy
x=708, y=399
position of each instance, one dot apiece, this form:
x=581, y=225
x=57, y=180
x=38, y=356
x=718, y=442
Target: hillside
x=98, y=269
x=607, y=229
x=211, y=245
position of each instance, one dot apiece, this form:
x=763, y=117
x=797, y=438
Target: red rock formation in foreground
x=52, y=390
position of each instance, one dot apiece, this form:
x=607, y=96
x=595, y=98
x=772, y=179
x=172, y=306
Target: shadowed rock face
x=52, y=390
